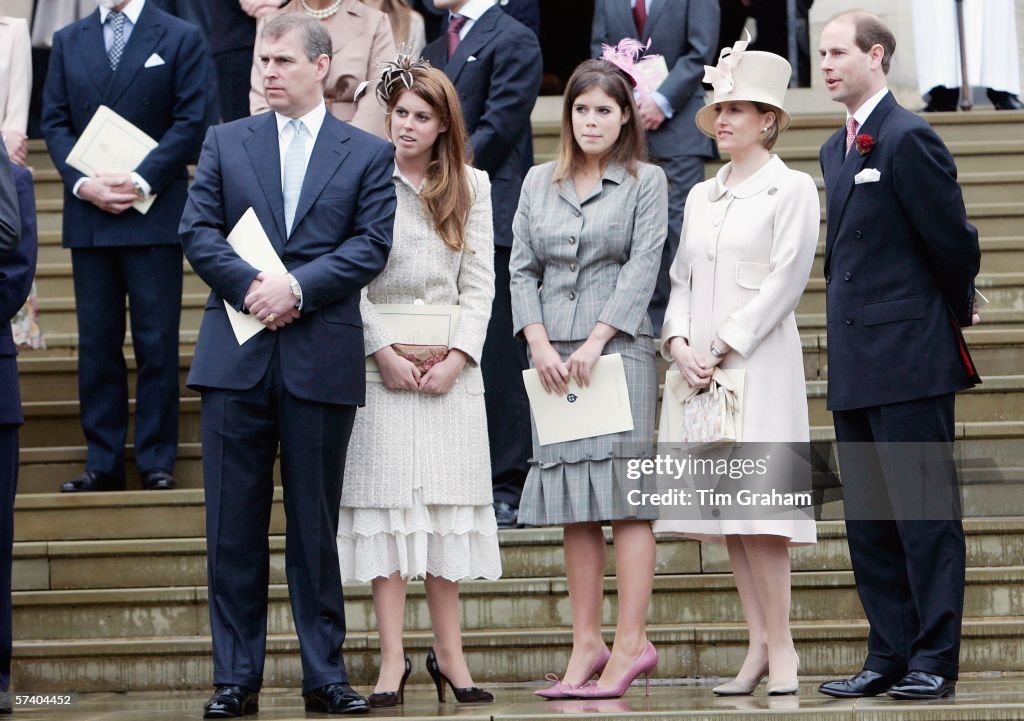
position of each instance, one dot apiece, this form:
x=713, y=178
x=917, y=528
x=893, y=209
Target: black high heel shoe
x=392, y=698
x=470, y=694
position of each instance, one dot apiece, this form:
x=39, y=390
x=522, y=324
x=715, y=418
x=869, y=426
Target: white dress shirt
x=312, y=120
x=472, y=11
x=867, y=107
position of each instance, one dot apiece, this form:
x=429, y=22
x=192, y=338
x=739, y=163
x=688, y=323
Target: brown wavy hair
x=630, y=147
x=446, y=190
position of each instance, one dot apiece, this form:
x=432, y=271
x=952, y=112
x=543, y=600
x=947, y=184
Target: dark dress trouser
x=241, y=433
x=683, y=172
x=8, y=487
x=909, y=565
x=150, y=276
x=508, y=409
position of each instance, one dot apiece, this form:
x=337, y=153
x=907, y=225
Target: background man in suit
x=155, y=71
x=495, y=63
x=900, y=261
x=685, y=32
x=17, y=267
x=327, y=202
x=525, y=11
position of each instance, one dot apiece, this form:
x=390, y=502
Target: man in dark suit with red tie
x=17, y=267
x=494, y=61
x=322, y=190
x=900, y=262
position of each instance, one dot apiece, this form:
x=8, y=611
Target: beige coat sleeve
x=369, y=113
x=476, y=272
x=16, y=81
x=794, y=241
x=257, y=101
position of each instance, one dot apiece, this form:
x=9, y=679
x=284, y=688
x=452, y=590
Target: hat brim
x=705, y=118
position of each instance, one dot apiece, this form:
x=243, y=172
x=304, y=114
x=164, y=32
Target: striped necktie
x=116, y=20
x=294, y=171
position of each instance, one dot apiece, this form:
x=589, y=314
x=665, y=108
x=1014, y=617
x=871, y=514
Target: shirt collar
x=474, y=9
x=312, y=120
x=132, y=11
x=762, y=179
x=864, y=111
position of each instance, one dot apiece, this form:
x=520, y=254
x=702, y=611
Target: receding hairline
x=854, y=15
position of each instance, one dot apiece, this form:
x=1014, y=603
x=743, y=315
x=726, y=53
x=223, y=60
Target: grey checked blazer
x=574, y=264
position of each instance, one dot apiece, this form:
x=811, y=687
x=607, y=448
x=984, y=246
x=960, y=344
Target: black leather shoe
x=385, y=699
x=92, y=481
x=231, y=702
x=158, y=480
x=942, y=100
x=335, y=698
x=5, y=703
x=506, y=515
x=865, y=683
x=1003, y=100
x=921, y=685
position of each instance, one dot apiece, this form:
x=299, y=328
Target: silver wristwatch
x=296, y=289
x=716, y=352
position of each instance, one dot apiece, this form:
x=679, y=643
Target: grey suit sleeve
x=525, y=268
x=626, y=309
x=10, y=218
x=598, y=30
x=702, y=20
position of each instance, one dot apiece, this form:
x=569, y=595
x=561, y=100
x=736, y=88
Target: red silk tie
x=851, y=132
x=454, y=26
x=640, y=16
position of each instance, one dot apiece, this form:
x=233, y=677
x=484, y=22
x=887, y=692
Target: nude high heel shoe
x=784, y=686
x=740, y=687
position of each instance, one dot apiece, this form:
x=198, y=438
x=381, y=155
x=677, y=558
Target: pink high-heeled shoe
x=561, y=689
x=643, y=664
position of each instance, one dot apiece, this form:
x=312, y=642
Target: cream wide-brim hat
x=751, y=75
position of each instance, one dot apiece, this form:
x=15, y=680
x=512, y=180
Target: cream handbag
x=706, y=417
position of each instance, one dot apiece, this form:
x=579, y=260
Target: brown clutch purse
x=424, y=357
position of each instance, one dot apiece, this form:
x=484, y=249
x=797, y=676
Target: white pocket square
x=471, y=59
x=868, y=175
x=153, y=61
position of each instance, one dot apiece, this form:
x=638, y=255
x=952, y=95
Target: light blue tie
x=294, y=171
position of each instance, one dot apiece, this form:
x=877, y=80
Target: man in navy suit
x=155, y=71
x=494, y=62
x=525, y=11
x=900, y=262
x=685, y=33
x=323, y=192
x=17, y=267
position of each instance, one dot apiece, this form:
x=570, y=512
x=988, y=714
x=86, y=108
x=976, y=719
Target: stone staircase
x=110, y=588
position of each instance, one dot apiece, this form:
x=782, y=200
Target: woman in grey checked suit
x=588, y=237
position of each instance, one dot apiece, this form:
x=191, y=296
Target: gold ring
x=271, y=318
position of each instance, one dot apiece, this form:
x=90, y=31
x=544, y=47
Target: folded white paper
x=250, y=241
x=414, y=324
x=868, y=175
x=110, y=144
x=601, y=408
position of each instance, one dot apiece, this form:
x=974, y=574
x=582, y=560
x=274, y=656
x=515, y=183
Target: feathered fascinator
x=629, y=57
x=395, y=75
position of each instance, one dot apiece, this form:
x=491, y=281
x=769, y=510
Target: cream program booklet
x=414, y=324
x=601, y=408
x=250, y=241
x=111, y=144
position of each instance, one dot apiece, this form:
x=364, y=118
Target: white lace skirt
x=452, y=542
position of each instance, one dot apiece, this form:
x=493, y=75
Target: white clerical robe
x=990, y=30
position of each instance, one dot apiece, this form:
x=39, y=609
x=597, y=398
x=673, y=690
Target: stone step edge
x=540, y=586
x=817, y=631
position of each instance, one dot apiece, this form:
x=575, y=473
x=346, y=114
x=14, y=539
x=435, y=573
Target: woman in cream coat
x=749, y=238
x=362, y=42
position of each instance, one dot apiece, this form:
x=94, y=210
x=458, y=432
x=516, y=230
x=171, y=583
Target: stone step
x=56, y=423
x=42, y=469
x=1001, y=318
x=57, y=315
x=998, y=255
x=685, y=651
x=51, y=378
x=506, y=604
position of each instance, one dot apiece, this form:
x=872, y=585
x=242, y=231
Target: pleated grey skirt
x=584, y=481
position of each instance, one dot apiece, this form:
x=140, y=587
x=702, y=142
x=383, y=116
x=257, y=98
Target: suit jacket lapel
x=262, y=147
x=652, y=19
x=328, y=155
x=145, y=35
x=842, y=181
x=94, y=53
x=477, y=37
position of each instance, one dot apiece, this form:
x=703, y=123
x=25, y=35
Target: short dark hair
x=869, y=31
x=316, y=41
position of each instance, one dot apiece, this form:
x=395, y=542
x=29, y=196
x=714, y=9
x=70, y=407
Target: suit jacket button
x=572, y=240
x=848, y=276
x=572, y=267
x=828, y=279
x=849, y=320
x=858, y=235
x=287, y=259
x=577, y=213
x=572, y=295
